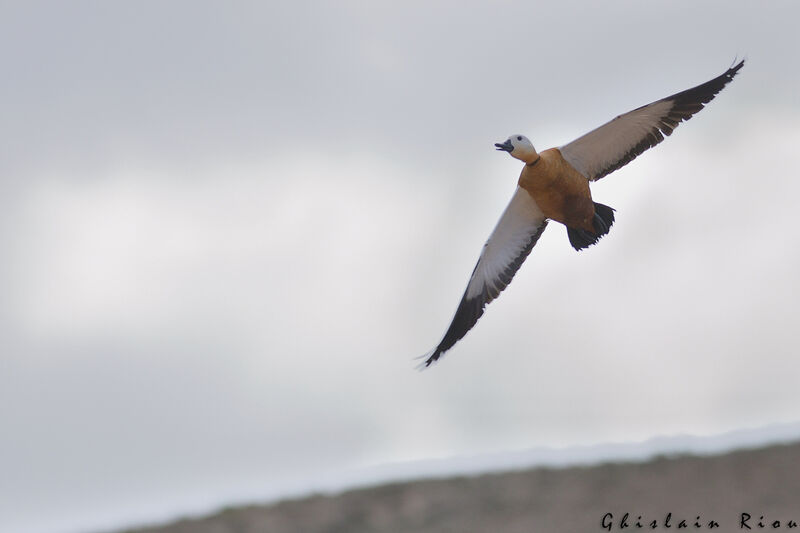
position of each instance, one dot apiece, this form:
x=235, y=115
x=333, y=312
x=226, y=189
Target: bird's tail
x=603, y=220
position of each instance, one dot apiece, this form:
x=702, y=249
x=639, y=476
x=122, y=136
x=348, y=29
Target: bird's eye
x=519, y=137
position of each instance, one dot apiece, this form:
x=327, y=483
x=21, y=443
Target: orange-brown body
x=560, y=191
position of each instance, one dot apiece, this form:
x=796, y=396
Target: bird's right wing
x=616, y=143
x=520, y=226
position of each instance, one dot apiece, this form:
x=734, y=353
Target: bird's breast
x=559, y=190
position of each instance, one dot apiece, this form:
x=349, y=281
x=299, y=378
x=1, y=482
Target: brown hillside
x=764, y=482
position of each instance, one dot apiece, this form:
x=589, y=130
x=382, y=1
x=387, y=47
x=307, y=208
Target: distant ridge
x=679, y=461
x=760, y=484
x=561, y=457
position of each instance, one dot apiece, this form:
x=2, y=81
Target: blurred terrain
x=764, y=483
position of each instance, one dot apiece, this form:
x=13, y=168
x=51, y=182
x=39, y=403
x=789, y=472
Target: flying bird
x=554, y=185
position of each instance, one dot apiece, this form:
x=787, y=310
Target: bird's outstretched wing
x=509, y=244
x=617, y=143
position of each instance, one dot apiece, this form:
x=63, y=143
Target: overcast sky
x=227, y=230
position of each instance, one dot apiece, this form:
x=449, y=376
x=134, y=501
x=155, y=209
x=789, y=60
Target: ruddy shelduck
x=554, y=185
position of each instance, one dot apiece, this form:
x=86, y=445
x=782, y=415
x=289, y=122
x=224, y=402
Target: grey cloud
x=227, y=230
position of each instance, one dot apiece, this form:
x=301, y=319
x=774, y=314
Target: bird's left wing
x=520, y=226
x=618, y=142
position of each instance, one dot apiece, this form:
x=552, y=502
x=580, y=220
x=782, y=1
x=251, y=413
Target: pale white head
x=520, y=147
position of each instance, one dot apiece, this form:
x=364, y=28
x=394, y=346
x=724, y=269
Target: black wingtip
x=430, y=358
x=693, y=100
x=734, y=68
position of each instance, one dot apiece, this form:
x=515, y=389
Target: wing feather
x=512, y=240
x=618, y=142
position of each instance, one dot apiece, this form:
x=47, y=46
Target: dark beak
x=506, y=146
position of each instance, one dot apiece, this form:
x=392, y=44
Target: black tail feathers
x=603, y=220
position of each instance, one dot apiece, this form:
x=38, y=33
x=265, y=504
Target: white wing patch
x=604, y=147
x=519, y=222
x=520, y=226
x=618, y=142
